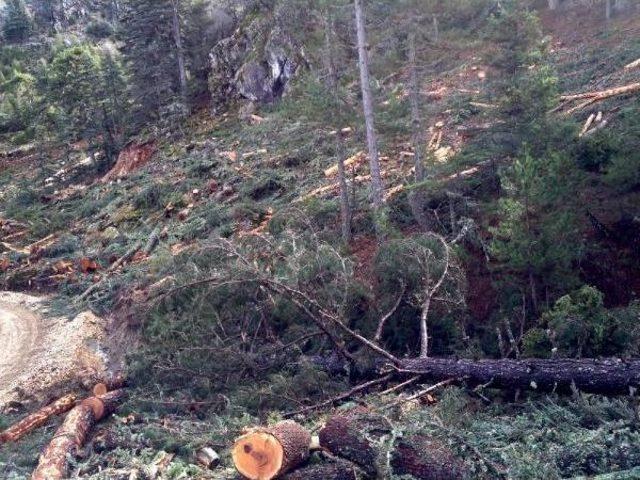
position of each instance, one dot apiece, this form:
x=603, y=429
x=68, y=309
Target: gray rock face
x=247, y=66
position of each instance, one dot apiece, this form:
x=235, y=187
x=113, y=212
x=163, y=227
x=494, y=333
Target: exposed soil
x=44, y=356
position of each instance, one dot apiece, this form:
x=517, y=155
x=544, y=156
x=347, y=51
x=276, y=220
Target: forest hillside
x=329, y=239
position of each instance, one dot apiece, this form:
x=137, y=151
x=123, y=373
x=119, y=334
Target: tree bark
x=345, y=207
x=377, y=188
x=267, y=453
x=608, y=376
x=37, y=419
x=72, y=435
x=553, y=4
x=330, y=470
x=356, y=435
x=177, y=37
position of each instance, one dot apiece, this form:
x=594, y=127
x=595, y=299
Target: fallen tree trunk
x=330, y=470
x=266, y=453
x=37, y=419
x=608, y=376
x=72, y=434
x=359, y=436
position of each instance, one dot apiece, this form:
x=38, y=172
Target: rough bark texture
x=330, y=470
x=37, y=419
x=367, y=105
x=607, y=376
x=72, y=435
x=426, y=459
x=295, y=441
x=351, y=435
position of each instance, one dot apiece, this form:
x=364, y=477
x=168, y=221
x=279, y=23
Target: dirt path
x=19, y=337
x=43, y=356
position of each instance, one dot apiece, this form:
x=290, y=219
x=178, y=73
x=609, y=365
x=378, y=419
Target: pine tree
x=148, y=32
x=17, y=25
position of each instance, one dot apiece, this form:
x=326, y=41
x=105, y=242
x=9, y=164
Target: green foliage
x=537, y=237
x=17, y=23
x=579, y=325
x=595, y=152
x=99, y=29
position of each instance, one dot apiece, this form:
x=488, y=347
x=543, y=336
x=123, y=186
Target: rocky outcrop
x=256, y=63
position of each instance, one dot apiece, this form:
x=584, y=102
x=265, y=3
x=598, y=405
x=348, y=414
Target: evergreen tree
x=84, y=90
x=17, y=25
x=147, y=31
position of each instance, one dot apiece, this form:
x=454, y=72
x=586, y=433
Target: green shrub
x=594, y=153
x=99, y=29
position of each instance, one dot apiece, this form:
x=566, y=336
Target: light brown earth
x=44, y=356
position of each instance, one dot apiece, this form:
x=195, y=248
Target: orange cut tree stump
x=37, y=419
x=267, y=453
x=72, y=435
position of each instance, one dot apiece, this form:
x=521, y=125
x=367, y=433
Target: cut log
x=72, y=434
x=357, y=435
x=427, y=459
x=330, y=470
x=208, y=458
x=607, y=376
x=37, y=419
x=267, y=453
x=601, y=95
x=352, y=435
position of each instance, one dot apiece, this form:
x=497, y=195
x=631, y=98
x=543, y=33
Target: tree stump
x=267, y=453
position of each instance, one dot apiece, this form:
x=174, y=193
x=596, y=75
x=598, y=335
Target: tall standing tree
x=369, y=114
x=149, y=47
x=333, y=85
x=177, y=38
x=17, y=24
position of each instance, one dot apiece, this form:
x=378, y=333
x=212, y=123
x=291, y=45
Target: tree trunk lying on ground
x=362, y=437
x=267, y=453
x=608, y=376
x=37, y=419
x=330, y=470
x=72, y=434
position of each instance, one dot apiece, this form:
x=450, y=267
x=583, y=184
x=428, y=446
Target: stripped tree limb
x=37, y=419
x=632, y=65
x=72, y=434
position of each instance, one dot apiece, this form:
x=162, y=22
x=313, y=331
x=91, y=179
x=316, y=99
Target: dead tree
x=177, y=38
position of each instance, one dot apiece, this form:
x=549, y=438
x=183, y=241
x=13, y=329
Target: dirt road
x=19, y=337
x=42, y=355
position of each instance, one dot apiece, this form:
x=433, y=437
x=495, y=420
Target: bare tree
x=367, y=105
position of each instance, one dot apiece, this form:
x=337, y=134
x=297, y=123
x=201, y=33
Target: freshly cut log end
x=72, y=434
x=427, y=459
x=267, y=453
x=100, y=389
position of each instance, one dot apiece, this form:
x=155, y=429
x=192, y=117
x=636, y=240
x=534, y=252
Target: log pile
x=72, y=435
